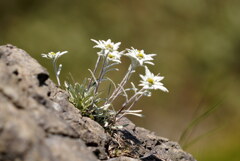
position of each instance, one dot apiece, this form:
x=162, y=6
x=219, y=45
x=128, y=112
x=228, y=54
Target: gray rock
x=31, y=109
x=37, y=122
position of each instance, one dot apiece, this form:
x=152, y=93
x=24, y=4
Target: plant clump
x=86, y=96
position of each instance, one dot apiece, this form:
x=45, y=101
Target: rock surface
x=37, y=123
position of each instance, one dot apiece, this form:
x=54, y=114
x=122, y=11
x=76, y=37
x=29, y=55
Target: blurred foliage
x=198, y=47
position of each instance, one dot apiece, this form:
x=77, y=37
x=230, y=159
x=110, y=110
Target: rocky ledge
x=37, y=123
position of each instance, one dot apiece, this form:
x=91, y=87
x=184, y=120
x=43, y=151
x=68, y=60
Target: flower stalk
x=117, y=91
x=54, y=57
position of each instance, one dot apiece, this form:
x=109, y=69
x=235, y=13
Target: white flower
x=106, y=46
x=54, y=56
x=139, y=57
x=150, y=81
x=114, y=56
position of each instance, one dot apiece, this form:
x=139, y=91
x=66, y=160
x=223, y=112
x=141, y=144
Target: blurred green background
x=198, y=47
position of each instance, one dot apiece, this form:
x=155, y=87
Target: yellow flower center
x=109, y=46
x=140, y=55
x=52, y=53
x=111, y=56
x=150, y=80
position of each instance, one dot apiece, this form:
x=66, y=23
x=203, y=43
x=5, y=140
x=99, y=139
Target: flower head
x=139, y=57
x=106, y=46
x=114, y=56
x=151, y=81
x=54, y=56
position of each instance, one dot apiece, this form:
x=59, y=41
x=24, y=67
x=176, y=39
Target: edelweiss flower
x=150, y=81
x=106, y=46
x=139, y=58
x=53, y=56
x=114, y=56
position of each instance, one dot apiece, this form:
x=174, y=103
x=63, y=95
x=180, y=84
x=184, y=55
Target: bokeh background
x=198, y=47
